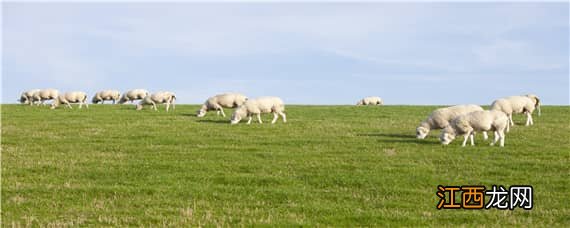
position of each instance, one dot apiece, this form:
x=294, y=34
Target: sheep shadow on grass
x=396, y=138
x=189, y=114
x=214, y=121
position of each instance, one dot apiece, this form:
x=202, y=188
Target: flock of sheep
x=244, y=107
x=456, y=120
x=467, y=119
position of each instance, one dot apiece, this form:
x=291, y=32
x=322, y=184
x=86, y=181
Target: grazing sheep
x=106, y=95
x=167, y=98
x=441, y=117
x=45, y=94
x=515, y=104
x=220, y=101
x=257, y=106
x=536, y=100
x=27, y=96
x=370, y=101
x=132, y=95
x=71, y=97
x=470, y=123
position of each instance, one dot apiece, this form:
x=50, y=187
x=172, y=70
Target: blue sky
x=306, y=53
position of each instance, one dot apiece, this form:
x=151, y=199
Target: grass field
x=329, y=165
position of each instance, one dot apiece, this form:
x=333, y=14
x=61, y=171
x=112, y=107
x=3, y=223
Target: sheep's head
x=139, y=107
x=94, y=100
x=23, y=100
x=422, y=132
x=123, y=99
x=239, y=114
x=202, y=111
x=447, y=135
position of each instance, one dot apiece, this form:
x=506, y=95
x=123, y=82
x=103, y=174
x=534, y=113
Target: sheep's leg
x=249, y=119
x=80, y=104
x=465, y=137
x=283, y=117
x=275, y=116
x=68, y=105
x=218, y=112
x=154, y=106
x=485, y=136
x=511, y=119
x=259, y=118
x=495, y=139
x=471, y=138
x=167, y=106
x=529, y=118
x=222, y=112
x=502, y=134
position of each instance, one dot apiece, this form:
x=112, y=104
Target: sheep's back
x=443, y=116
x=520, y=103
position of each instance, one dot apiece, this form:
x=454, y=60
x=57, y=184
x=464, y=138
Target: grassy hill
x=329, y=165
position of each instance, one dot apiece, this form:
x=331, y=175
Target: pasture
x=110, y=165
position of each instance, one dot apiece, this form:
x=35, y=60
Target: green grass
x=329, y=165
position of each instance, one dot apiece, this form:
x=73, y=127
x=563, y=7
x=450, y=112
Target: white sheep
x=27, y=97
x=441, y=117
x=370, y=101
x=71, y=98
x=257, y=106
x=220, y=101
x=167, y=98
x=45, y=94
x=472, y=122
x=515, y=104
x=536, y=101
x=132, y=95
x=106, y=95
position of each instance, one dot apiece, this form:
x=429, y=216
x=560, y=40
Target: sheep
x=370, y=101
x=515, y=104
x=27, y=96
x=45, y=94
x=71, y=97
x=441, y=117
x=472, y=122
x=132, y=95
x=167, y=98
x=536, y=101
x=257, y=106
x=220, y=101
x=106, y=95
